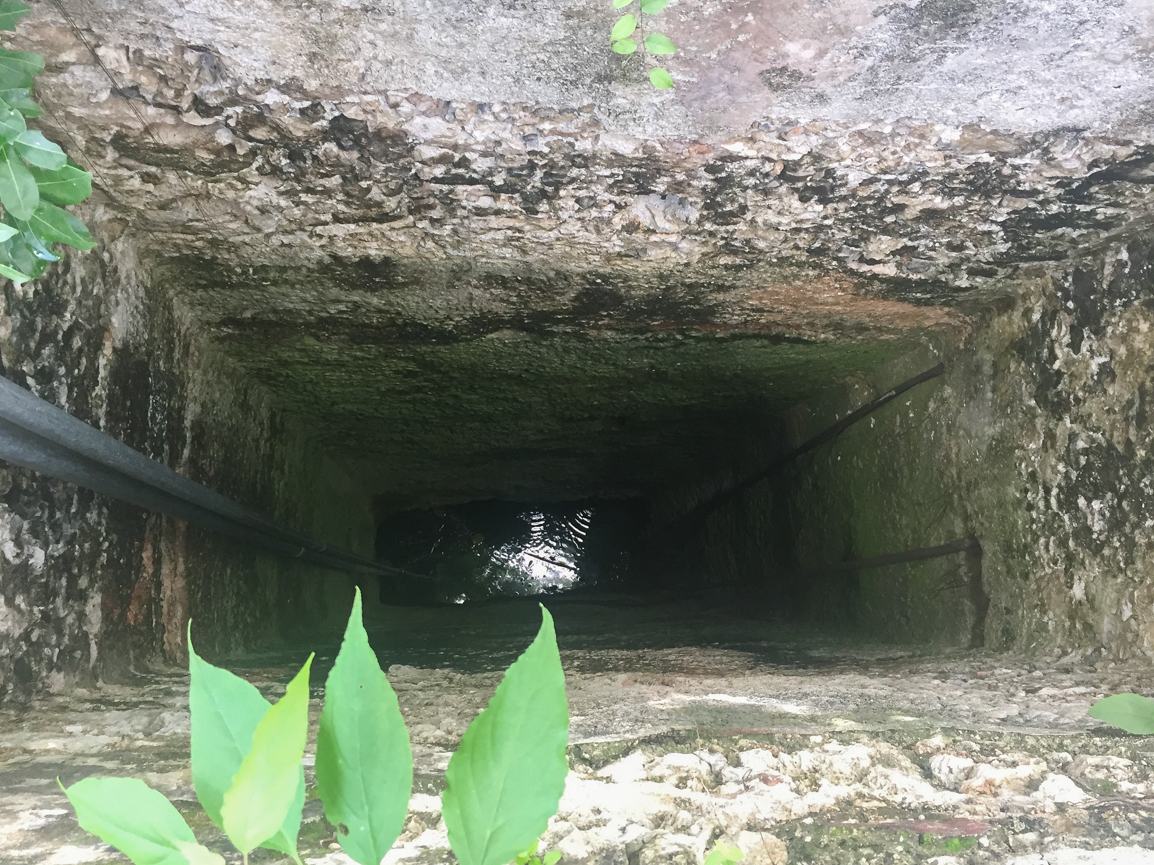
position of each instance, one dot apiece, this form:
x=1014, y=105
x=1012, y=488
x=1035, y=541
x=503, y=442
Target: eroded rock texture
x=418, y=253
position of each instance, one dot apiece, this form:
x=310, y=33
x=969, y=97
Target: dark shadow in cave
x=489, y=549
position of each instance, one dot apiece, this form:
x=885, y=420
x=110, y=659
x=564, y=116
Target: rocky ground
x=688, y=726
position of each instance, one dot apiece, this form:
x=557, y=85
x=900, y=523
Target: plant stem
x=244, y=856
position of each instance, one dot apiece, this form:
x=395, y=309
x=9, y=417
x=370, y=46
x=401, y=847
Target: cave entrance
x=488, y=549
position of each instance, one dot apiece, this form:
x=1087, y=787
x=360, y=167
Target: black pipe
x=42, y=437
x=971, y=546
x=696, y=518
x=918, y=555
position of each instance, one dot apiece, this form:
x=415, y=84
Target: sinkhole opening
x=489, y=549
x=832, y=517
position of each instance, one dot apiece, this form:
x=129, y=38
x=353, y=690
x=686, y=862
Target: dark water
x=595, y=634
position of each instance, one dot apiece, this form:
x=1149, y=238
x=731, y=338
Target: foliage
x=1132, y=712
x=506, y=779
x=623, y=38
x=723, y=854
x=502, y=785
x=364, y=763
x=138, y=821
x=530, y=857
x=225, y=713
x=37, y=180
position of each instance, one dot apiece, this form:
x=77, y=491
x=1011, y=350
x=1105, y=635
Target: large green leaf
x=652, y=7
x=625, y=46
x=660, y=78
x=39, y=246
x=17, y=253
x=138, y=821
x=18, y=192
x=656, y=43
x=364, y=763
x=624, y=27
x=38, y=150
x=1132, y=712
x=68, y=185
x=507, y=777
x=19, y=100
x=18, y=69
x=225, y=712
x=11, y=123
x=11, y=11
x=264, y=789
x=59, y=226
x=17, y=276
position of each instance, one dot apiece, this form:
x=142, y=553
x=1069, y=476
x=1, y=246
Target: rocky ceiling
x=463, y=234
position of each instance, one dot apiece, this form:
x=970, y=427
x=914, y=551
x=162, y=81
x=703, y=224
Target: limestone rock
x=1061, y=790
x=669, y=848
x=762, y=848
x=950, y=770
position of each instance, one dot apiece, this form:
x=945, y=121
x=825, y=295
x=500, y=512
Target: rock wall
x=1036, y=441
x=93, y=587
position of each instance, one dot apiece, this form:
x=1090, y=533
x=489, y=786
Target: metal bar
x=696, y=517
x=971, y=546
x=42, y=437
x=958, y=546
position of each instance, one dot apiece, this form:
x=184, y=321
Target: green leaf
x=620, y=4
x=13, y=274
x=34, y=147
x=7, y=232
x=18, y=192
x=625, y=26
x=68, y=185
x=625, y=46
x=723, y=854
x=1132, y=712
x=11, y=11
x=552, y=858
x=18, y=69
x=19, y=100
x=138, y=821
x=660, y=78
x=225, y=711
x=39, y=246
x=364, y=764
x=508, y=774
x=265, y=785
x=11, y=123
x=59, y=226
x=655, y=43
x=652, y=7
x=17, y=253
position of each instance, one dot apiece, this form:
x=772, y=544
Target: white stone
x=668, y=848
x=629, y=768
x=1111, y=856
x=759, y=760
x=762, y=848
x=950, y=770
x=678, y=769
x=987, y=780
x=1104, y=768
x=598, y=846
x=846, y=765
x=1061, y=790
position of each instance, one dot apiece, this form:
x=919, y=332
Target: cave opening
x=744, y=503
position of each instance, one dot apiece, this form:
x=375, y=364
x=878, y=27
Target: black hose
x=38, y=435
